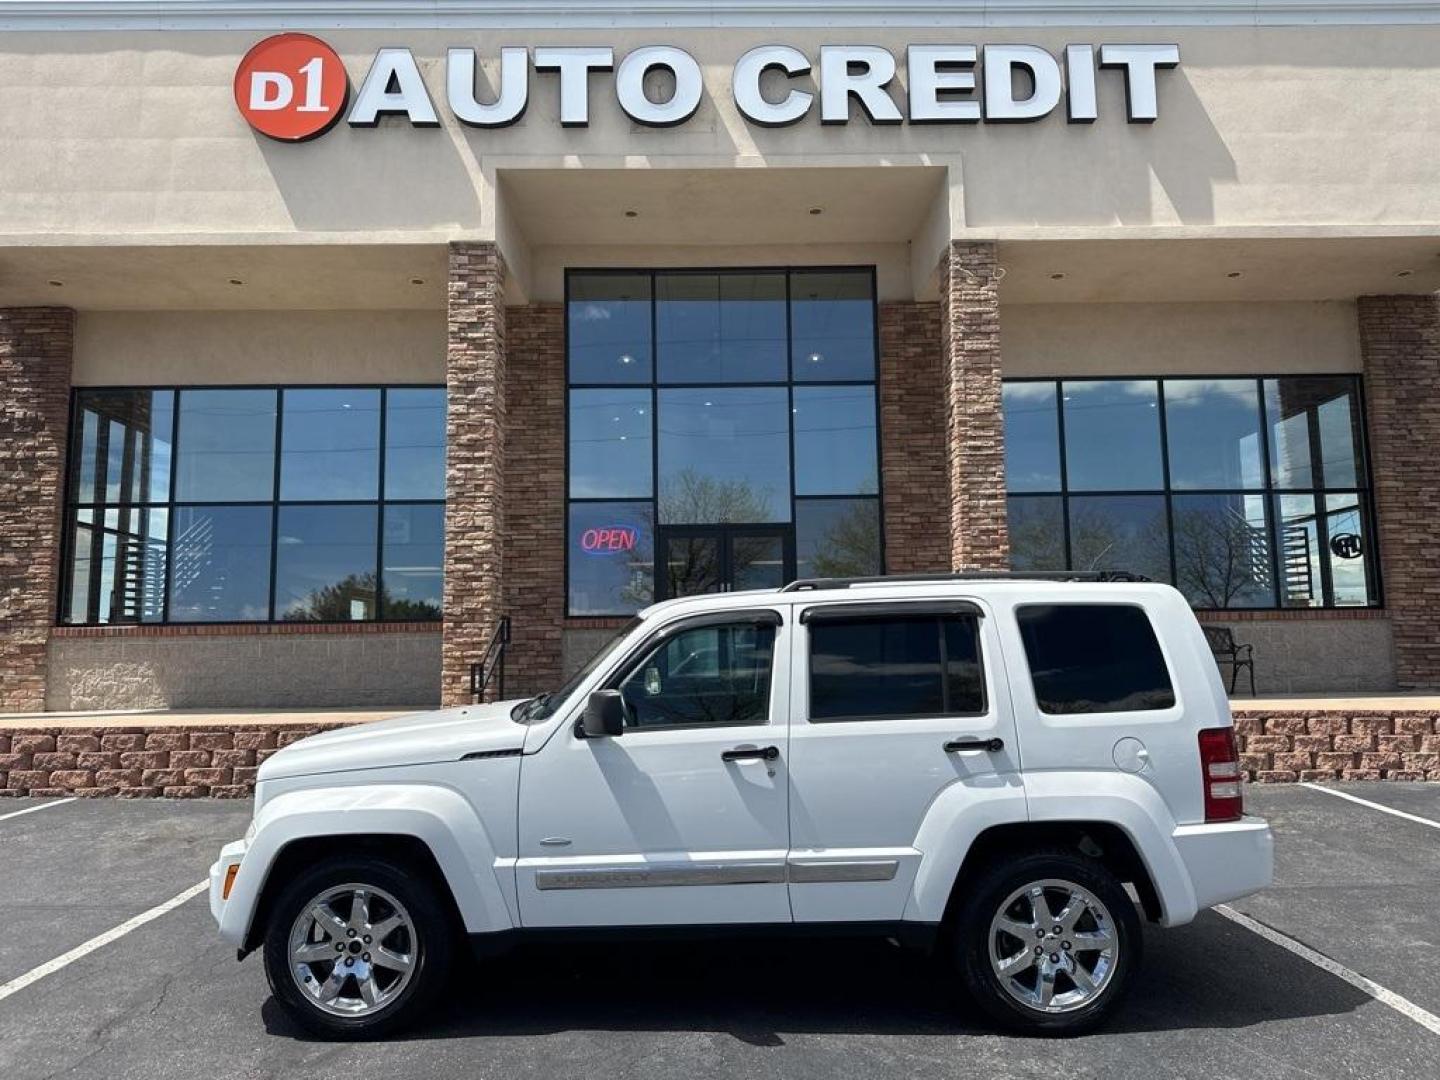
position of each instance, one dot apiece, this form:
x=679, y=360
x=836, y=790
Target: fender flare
x=438, y=817
x=959, y=814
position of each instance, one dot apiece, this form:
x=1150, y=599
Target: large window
x=723, y=428
x=253, y=504
x=1242, y=492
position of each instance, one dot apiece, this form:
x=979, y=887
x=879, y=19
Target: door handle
x=992, y=746
x=747, y=753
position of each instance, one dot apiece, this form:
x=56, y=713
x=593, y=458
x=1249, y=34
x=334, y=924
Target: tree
x=332, y=603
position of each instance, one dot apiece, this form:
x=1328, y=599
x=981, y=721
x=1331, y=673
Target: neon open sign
x=603, y=541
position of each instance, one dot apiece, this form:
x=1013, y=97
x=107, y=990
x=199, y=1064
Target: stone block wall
x=974, y=424
x=1400, y=343
x=36, y=347
x=913, y=455
x=1338, y=745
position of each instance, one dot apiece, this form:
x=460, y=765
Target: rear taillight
x=1220, y=775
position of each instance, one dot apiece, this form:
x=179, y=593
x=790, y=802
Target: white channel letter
x=745, y=84
x=409, y=98
x=1001, y=105
x=261, y=82
x=509, y=104
x=1140, y=63
x=837, y=83
x=937, y=70
x=574, y=63
x=630, y=86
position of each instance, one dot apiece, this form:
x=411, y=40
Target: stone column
x=36, y=346
x=974, y=426
x=1400, y=343
x=474, y=463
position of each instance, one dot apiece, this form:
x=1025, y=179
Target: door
x=681, y=819
x=898, y=705
x=698, y=559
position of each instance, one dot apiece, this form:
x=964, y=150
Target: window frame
x=938, y=612
x=1363, y=490
x=171, y=504
x=655, y=385
x=663, y=635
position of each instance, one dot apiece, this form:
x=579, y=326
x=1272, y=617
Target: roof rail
x=1094, y=576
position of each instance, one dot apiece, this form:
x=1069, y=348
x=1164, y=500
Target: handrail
x=491, y=664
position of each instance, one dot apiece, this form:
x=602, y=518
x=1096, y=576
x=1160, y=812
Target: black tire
x=981, y=903
x=435, y=934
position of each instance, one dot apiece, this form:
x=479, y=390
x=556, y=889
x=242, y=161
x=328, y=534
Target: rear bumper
x=1226, y=862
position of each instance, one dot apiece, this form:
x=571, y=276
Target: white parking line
x=1373, y=805
x=1404, y=1006
x=36, y=809
x=99, y=941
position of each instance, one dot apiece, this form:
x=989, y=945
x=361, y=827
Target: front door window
x=700, y=559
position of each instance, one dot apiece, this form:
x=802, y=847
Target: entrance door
x=698, y=559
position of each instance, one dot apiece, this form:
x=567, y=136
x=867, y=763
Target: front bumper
x=232, y=927
x=1226, y=862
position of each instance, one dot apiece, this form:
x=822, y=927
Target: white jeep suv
x=1008, y=770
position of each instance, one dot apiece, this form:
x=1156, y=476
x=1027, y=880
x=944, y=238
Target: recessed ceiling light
x=632, y=213
x=627, y=359
x=1235, y=274
x=55, y=282
x=1404, y=273
x=816, y=211
x=417, y=281
x=1057, y=277
x=236, y=281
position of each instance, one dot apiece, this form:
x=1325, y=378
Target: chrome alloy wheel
x=1053, y=946
x=352, y=950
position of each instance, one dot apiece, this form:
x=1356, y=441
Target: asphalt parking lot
x=1215, y=999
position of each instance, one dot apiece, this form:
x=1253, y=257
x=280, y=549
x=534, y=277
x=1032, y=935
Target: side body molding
x=438, y=816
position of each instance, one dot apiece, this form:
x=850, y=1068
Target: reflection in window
x=1213, y=426
x=837, y=538
x=711, y=675
x=330, y=444
x=118, y=568
x=894, y=666
x=835, y=440
x=610, y=450
x=720, y=328
x=832, y=326
x=722, y=455
x=220, y=564
x=1032, y=436
x=325, y=564
x=411, y=563
x=1093, y=658
x=611, y=556
x=227, y=446
x=121, y=446
x=1120, y=532
x=1112, y=435
x=1037, y=532
x=415, y=443
x=608, y=319
x=1222, y=551
x=1230, y=524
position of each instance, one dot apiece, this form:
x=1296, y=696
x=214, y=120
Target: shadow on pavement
x=1211, y=974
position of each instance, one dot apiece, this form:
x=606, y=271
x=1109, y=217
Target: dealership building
x=334, y=334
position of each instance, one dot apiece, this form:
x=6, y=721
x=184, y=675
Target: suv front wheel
x=1047, y=942
x=356, y=947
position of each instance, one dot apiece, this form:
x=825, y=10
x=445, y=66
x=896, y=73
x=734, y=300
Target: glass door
x=698, y=559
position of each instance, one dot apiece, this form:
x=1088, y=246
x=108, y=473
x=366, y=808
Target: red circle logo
x=291, y=87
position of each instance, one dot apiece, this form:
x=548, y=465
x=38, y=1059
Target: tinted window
x=723, y=455
x=611, y=557
x=415, y=443
x=610, y=449
x=894, y=666
x=710, y=675
x=1032, y=437
x=325, y=564
x=122, y=441
x=720, y=327
x=1222, y=550
x=837, y=537
x=1037, y=532
x=1092, y=658
x=412, y=563
x=221, y=564
x=1112, y=435
x=832, y=323
x=609, y=328
x=1213, y=427
x=330, y=445
x=227, y=445
x=835, y=440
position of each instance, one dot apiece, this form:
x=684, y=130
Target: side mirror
x=604, y=715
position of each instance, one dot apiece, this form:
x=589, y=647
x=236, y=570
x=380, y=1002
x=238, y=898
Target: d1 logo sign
x=291, y=87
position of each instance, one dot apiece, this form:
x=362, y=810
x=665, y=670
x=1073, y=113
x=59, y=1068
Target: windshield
x=543, y=706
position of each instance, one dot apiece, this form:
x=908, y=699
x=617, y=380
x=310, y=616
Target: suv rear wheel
x=1047, y=942
x=357, y=947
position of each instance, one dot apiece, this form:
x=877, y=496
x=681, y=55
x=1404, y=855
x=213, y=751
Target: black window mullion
x=275, y=502
x=379, y=614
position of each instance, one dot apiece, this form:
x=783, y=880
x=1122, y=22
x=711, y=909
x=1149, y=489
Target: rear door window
x=1094, y=658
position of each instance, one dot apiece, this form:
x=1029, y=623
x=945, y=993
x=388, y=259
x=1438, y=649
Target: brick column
x=1400, y=343
x=974, y=427
x=535, y=525
x=912, y=449
x=474, y=466
x=36, y=345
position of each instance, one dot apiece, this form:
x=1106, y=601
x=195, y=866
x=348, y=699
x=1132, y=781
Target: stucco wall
x=244, y=671
x=123, y=348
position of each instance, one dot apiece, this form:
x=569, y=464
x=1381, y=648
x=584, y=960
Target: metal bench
x=1226, y=651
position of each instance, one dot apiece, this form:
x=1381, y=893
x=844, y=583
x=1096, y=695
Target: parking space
x=1214, y=999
